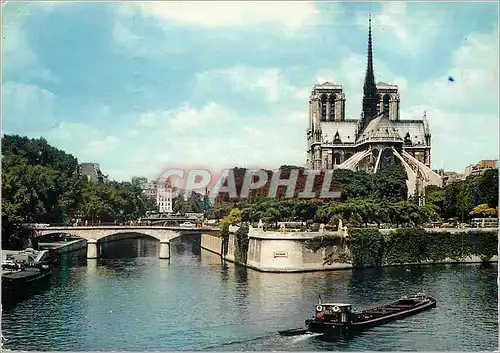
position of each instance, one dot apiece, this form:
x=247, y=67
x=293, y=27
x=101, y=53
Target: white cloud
x=212, y=136
x=80, y=138
x=102, y=146
x=463, y=115
x=27, y=106
x=216, y=134
x=411, y=26
x=124, y=36
x=186, y=118
x=17, y=55
x=270, y=81
x=217, y=14
x=474, y=68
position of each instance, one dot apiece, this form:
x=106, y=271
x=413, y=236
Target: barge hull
x=340, y=328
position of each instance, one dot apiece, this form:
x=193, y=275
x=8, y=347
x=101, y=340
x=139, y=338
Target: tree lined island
x=43, y=184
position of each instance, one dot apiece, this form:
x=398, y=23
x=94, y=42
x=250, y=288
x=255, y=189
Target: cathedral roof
x=414, y=128
x=381, y=128
x=345, y=129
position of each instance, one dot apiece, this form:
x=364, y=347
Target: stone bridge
x=98, y=234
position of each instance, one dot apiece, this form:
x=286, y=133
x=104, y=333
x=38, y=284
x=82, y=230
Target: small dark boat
x=19, y=280
x=339, y=318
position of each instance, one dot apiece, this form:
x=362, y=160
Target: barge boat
x=340, y=319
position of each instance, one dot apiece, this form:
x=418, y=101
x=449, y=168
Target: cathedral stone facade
x=378, y=137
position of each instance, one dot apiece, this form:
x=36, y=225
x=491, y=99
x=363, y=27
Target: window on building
x=337, y=158
x=386, y=103
x=332, y=107
x=323, y=107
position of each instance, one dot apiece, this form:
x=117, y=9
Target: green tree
x=139, y=182
x=435, y=195
x=487, y=188
x=390, y=183
x=42, y=184
x=234, y=216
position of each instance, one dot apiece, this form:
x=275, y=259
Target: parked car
x=187, y=224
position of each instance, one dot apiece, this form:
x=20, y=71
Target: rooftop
x=327, y=85
x=380, y=83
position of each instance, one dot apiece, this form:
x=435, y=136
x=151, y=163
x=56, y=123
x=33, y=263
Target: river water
x=131, y=300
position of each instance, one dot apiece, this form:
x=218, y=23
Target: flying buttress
x=431, y=176
x=352, y=162
x=411, y=183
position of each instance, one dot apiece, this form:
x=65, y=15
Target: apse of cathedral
x=379, y=137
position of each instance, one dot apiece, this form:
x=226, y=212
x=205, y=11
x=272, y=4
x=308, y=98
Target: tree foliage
x=458, y=199
x=483, y=210
x=43, y=184
x=368, y=199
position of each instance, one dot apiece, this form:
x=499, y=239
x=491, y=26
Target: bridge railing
x=104, y=226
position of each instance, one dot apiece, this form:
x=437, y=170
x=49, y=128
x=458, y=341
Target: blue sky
x=140, y=87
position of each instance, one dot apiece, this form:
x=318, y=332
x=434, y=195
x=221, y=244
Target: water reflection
x=241, y=274
x=140, y=246
x=209, y=258
x=224, y=271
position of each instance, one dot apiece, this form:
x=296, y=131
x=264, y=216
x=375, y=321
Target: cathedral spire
x=369, y=88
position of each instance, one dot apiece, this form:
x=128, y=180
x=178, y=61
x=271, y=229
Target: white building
x=149, y=189
x=164, y=197
x=162, y=193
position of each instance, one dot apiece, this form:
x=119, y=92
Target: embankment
x=370, y=247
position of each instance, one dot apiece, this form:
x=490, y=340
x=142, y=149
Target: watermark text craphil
x=242, y=183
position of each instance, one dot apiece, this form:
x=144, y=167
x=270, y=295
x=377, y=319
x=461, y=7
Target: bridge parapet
x=161, y=233
x=95, y=233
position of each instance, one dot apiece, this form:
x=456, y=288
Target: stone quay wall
x=274, y=251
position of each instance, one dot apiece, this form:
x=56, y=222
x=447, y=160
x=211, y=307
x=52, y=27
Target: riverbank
x=313, y=251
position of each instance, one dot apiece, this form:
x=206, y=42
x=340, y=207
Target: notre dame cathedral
x=378, y=137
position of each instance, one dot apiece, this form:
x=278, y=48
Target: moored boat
x=335, y=318
x=21, y=278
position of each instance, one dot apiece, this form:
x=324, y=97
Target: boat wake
x=264, y=339
x=243, y=341
x=305, y=336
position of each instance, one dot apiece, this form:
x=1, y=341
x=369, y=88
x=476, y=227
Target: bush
x=241, y=249
x=367, y=247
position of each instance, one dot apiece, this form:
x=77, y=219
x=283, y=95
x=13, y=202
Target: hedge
x=368, y=247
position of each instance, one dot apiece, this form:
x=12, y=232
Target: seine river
x=131, y=300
